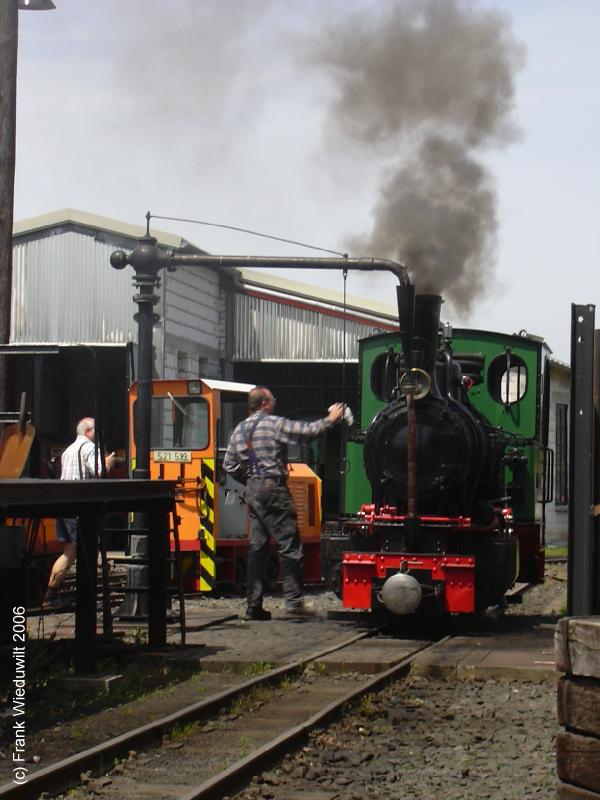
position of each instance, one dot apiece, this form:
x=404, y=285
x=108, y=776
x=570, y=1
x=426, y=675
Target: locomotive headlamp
x=194, y=387
x=401, y=593
x=416, y=382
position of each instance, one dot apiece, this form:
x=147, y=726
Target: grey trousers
x=272, y=513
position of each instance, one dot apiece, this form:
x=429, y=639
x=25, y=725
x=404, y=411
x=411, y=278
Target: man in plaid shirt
x=257, y=456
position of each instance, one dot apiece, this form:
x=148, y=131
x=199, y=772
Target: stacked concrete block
x=577, y=646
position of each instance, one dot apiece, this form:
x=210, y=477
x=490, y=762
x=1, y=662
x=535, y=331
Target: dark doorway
x=305, y=391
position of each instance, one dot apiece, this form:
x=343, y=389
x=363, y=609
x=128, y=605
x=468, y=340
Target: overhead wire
x=247, y=230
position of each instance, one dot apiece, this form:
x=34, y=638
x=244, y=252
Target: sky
x=458, y=137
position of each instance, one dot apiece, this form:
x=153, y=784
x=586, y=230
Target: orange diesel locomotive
x=191, y=424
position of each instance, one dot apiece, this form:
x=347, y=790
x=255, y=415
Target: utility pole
x=9, y=40
x=8, y=107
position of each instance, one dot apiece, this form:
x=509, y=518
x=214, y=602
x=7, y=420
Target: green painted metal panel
x=369, y=349
x=521, y=417
x=358, y=488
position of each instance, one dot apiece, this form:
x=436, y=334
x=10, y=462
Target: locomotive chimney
x=406, y=318
x=426, y=334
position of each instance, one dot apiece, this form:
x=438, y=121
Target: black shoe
x=260, y=614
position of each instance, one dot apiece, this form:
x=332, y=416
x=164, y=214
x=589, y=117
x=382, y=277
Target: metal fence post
x=582, y=550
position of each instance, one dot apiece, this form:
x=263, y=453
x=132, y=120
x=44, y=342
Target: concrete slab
x=527, y=655
x=238, y=644
x=95, y=683
x=369, y=656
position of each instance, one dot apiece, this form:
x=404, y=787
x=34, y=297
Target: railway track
x=214, y=747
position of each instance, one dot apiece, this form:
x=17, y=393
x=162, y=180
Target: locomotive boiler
x=435, y=477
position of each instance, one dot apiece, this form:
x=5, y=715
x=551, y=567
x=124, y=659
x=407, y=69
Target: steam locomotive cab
x=434, y=531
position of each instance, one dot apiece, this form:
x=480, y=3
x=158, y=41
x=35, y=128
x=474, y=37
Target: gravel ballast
x=426, y=739
x=421, y=739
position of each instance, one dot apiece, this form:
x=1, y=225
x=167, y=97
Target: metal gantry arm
x=290, y=262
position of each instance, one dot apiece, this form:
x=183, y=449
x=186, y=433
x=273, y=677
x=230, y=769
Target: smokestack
x=426, y=332
x=406, y=318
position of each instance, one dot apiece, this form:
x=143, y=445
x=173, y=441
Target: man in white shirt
x=80, y=461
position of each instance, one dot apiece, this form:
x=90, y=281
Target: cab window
x=507, y=378
x=179, y=423
x=234, y=408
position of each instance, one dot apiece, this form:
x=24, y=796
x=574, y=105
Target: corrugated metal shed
x=64, y=291
x=268, y=328
x=289, y=287
x=193, y=324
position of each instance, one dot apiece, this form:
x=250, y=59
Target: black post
x=139, y=604
x=147, y=260
x=158, y=554
x=581, y=566
x=143, y=416
x=8, y=103
x=596, y=478
x=85, y=596
x=12, y=577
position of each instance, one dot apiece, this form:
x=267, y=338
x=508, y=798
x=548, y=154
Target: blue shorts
x=66, y=530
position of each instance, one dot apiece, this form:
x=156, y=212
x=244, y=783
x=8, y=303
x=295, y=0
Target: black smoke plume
x=428, y=85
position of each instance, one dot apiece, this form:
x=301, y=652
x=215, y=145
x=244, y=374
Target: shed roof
x=72, y=215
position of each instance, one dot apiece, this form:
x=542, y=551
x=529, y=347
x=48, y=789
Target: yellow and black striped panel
x=208, y=548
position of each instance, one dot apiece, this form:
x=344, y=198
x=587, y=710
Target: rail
x=66, y=773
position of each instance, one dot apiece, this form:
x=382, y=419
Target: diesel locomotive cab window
x=234, y=408
x=179, y=423
x=507, y=378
